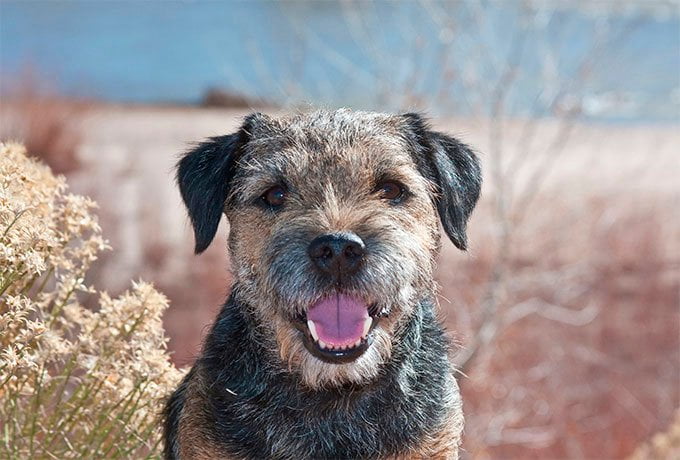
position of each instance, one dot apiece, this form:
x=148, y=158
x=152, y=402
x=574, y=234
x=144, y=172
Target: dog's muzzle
x=336, y=328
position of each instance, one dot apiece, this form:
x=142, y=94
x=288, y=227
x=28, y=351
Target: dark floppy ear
x=203, y=176
x=453, y=168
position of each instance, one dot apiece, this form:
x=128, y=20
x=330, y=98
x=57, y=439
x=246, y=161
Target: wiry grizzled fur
x=260, y=410
x=256, y=391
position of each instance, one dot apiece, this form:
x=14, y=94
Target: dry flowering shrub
x=74, y=382
x=662, y=446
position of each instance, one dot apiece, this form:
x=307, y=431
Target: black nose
x=337, y=254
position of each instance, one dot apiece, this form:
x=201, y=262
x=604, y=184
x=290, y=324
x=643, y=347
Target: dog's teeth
x=312, y=329
x=357, y=343
x=323, y=344
x=367, y=326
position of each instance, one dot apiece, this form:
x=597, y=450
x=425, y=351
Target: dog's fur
x=256, y=391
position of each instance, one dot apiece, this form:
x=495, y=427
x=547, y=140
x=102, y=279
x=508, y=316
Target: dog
x=328, y=345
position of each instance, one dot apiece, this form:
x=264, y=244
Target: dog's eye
x=275, y=196
x=391, y=191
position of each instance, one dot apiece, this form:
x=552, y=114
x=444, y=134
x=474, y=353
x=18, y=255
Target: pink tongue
x=339, y=320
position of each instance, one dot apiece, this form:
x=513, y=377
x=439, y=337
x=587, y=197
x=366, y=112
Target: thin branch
x=552, y=312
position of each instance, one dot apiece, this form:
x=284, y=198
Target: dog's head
x=333, y=228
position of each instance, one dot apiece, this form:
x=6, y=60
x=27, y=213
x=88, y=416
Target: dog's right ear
x=204, y=175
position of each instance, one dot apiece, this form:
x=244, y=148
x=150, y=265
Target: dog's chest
x=285, y=423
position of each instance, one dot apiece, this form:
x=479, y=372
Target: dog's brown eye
x=275, y=196
x=390, y=191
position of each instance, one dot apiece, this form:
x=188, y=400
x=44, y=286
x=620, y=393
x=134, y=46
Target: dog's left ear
x=453, y=168
x=204, y=175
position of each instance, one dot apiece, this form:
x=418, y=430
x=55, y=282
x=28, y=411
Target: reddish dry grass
x=205, y=282
x=46, y=124
x=574, y=385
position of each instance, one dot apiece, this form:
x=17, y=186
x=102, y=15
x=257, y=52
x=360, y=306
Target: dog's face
x=333, y=228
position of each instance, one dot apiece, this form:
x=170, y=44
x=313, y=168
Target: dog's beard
x=316, y=372
x=390, y=304
x=388, y=286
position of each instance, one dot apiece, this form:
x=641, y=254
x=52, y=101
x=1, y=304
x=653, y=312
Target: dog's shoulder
x=188, y=431
x=172, y=415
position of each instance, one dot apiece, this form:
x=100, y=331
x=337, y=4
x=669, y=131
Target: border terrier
x=329, y=345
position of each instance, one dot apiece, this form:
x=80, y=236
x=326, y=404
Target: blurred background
x=565, y=311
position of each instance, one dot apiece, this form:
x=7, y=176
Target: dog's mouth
x=337, y=329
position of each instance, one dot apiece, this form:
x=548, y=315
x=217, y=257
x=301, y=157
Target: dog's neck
x=391, y=414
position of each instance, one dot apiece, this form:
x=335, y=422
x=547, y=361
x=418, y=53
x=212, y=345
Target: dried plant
x=665, y=445
x=74, y=383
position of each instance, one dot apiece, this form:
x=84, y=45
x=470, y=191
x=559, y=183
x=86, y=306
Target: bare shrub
x=580, y=359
